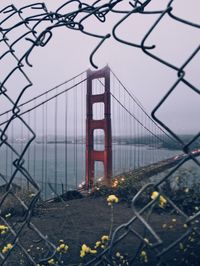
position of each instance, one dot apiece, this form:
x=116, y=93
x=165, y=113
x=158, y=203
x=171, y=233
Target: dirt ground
x=86, y=220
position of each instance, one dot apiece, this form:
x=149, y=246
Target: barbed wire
x=75, y=20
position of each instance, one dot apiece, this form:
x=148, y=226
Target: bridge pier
x=93, y=155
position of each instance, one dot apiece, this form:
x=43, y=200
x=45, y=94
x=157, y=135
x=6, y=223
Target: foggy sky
x=68, y=54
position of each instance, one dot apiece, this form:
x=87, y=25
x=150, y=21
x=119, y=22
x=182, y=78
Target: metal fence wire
x=35, y=37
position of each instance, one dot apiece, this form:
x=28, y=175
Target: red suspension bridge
x=87, y=128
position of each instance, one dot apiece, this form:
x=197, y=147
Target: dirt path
x=87, y=220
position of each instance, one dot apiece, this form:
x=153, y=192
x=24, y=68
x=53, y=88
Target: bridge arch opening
x=98, y=171
x=98, y=111
x=99, y=139
x=98, y=86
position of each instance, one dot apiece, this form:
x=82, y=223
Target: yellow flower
x=104, y=238
x=112, y=199
x=66, y=248
x=154, y=195
x=51, y=261
x=162, y=200
x=4, y=250
x=98, y=244
x=143, y=255
x=3, y=229
x=85, y=248
x=93, y=251
x=82, y=253
x=63, y=248
x=7, y=248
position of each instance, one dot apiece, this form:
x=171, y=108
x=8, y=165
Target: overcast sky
x=68, y=54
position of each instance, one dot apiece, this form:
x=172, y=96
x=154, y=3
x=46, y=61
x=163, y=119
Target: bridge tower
x=92, y=155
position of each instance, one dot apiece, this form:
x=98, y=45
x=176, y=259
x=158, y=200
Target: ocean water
x=63, y=166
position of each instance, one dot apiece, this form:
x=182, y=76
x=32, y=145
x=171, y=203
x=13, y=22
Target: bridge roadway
x=156, y=168
x=141, y=173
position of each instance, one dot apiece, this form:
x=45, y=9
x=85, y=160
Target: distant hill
x=169, y=144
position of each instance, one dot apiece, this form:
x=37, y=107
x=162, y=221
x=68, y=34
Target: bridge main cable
x=48, y=91
x=141, y=106
x=46, y=100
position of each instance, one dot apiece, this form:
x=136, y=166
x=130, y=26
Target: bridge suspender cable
x=141, y=107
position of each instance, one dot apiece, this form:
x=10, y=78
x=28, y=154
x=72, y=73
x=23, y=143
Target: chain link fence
x=13, y=18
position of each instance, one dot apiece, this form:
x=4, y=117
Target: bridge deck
x=158, y=167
